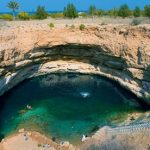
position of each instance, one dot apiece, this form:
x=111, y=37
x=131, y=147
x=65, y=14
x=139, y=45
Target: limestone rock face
x=119, y=52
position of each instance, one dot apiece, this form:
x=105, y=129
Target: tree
x=113, y=12
x=92, y=10
x=137, y=12
x=147, y=10
x=100, y=12
x=41, y=13
x=70, y=11
x=124, y=11
x=13, y=5
x=65, y=12
x=23, y=16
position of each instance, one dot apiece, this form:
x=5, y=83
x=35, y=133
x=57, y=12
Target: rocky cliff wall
x=119, y=52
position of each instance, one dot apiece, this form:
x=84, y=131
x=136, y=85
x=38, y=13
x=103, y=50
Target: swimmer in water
x=85, y=94
x=29, y=107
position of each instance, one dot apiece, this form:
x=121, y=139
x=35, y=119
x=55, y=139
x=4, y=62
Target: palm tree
x=13, y=5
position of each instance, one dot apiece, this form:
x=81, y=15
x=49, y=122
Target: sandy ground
x=32, y=141
x=87, y=21
x=35, y=141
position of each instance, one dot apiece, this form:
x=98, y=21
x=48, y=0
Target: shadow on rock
x=1, y=137
x=146, y=83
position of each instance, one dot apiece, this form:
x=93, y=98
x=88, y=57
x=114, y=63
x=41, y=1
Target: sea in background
x=33, y=12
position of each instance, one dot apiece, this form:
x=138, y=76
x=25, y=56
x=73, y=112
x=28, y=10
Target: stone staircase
x=143, y=128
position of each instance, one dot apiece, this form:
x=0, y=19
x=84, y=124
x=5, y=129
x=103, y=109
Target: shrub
x=33, y=16
x=72, y=26
x=23, y=16
x=135, y=22
x=51, y=25
x=70, y=11
x=92, y=10
x=137, y=12
x=148, y=97
x=82, y=27
x=124, y=11
x=56, y=15
x=100, y=12
x=147, y=10
x=41, y=13
x=1, y=16
x=7, y=17
x=113, y=12
x=39, y=145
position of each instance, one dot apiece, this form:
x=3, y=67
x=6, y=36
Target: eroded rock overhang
x=121, y=53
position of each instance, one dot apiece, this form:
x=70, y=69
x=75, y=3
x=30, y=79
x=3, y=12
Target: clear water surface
x=64, y=106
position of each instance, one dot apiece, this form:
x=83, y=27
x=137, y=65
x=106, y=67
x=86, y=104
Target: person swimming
x=85, y=94
x=29, y=107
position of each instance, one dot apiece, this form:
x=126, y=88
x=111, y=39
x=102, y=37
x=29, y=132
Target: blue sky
x=56, y=5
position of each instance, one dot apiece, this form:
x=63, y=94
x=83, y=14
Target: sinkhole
x=65, y=106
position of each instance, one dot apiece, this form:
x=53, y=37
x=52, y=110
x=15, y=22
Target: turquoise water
x=64, y=106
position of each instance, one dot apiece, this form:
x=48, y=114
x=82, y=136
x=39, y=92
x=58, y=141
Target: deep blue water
x=65, y=106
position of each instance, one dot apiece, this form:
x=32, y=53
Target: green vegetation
x=148, y=97
x=56, y=15
x=113, y=12
x=70, y=11
x=124, y=11
x=23, y=16
x=7, y=17
x=82, y=27
x=137, y=12
x=92, y=10
x=13, y=5
x=135, y=22
x=101, y=12
x=147, y=10
x=41, y=13
x=39, y=145
x=51, y=25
